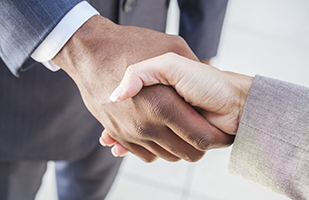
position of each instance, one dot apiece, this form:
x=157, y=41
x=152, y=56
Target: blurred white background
x=266, y=37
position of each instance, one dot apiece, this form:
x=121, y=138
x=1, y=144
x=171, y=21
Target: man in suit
x=42, y=115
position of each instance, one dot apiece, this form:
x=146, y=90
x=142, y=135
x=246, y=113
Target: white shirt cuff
x=64, y=30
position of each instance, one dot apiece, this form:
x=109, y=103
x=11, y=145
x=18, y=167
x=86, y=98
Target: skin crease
x=118, y=149
x=219, y=96
x=155, y=123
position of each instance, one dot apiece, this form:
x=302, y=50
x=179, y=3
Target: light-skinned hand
x=155, y=123
x=219, y=96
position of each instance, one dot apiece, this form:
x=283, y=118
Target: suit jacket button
x=128, y=6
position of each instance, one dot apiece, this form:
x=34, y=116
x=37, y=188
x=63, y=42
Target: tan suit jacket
x=272, y=142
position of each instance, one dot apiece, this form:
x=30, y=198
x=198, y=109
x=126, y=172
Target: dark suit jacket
x=42, y=114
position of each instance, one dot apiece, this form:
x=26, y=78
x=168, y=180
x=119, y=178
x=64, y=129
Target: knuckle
x=156, y=101
x=203, y=143
x=130, y=69
x=195, y=157
x=160, y=104
x=179, y=40
x=143, y=131
x=173, y=159
x=170, y=57
x=157, y=108
x=179, y=43
x=149, y=158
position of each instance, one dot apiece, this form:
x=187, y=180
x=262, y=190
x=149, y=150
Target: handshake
x=185, y=108
x=219, y=97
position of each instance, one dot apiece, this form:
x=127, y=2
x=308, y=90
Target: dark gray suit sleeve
x=25, y=24
x=272, y=141
x=201, y=24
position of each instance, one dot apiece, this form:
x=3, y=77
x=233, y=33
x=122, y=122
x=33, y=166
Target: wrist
x=241, y=86
x=87, y=57
x=83, y=44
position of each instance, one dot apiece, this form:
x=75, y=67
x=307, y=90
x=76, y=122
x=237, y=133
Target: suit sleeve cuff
x=271, y=145
x=64, y=30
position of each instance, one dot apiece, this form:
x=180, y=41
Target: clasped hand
x=218, y=96
x=156, y=122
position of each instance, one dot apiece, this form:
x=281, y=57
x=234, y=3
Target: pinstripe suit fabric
x=42, y=116
x=28, y=22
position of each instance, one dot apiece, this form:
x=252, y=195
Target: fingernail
x=102, y=142
x=114, y=152
x=117, y=93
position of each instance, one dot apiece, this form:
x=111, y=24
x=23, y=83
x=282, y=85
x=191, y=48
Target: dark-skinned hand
x=155, y=123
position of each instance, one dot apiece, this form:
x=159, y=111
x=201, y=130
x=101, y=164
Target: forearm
x=83, y=45
x=59, y=36
x=86, y=57
x=271, y=145
x=96, y=58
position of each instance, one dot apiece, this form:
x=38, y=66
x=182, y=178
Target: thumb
x=130, y=85
x=145, y=73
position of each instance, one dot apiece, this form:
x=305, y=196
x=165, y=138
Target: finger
x=135, y=77
x=198, y=132
x=141, y=152
x=170, y=147
x=130, y=85
x=190, y=126
x=106, y=139
x=151, y=147
x=146, y=150
x=226, y=123
x=158, y=70
x=136, y=149
x=161, y=152
x=119, y=150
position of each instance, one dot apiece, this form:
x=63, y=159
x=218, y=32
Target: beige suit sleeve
x=272, y=143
